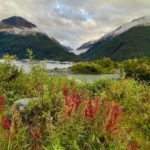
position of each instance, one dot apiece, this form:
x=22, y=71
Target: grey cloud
x=73, y=22
x=65, y=11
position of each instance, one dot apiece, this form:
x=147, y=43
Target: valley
x=59, y=93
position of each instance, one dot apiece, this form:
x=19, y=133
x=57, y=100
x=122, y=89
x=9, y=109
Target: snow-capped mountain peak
x=142, y=21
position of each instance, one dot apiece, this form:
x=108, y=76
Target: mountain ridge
x=145, y=20
x=101, y=49
x=18, y=21
x=17, y=34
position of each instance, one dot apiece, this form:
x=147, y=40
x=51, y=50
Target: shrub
x=138, y=69
x=104, y=66
x=104, y=115
x=86, y=68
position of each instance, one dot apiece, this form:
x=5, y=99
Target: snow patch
x=81, y=51
x=143, y=21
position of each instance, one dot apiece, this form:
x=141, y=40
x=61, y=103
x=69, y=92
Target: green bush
x=106, y=114
x=8, y=72
x=104, y=66
x=86, y=68
x=138, y=69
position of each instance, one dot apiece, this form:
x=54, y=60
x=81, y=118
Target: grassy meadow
x=68, y=115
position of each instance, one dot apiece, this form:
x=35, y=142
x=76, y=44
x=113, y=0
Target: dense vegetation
x=134, y=43
x=104, y=66
x=17, y=34
x=43, y=47
x=138, y=68
x=106, y=115
x=135, y=68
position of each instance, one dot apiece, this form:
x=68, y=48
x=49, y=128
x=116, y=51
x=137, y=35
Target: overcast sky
x=73, y=22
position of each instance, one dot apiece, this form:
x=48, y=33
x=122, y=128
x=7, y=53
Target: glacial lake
x=57, y=68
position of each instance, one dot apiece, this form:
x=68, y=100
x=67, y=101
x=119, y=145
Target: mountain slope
x=84, y=47
x=18, y=22
x=17, y=35
x=128, y=41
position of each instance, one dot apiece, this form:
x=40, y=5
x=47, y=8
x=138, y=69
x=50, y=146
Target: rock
x=22, y=104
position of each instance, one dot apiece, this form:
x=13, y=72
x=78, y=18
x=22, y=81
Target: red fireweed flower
x=76, y=99
x=96, y=104
x=92, y=108
x=2, y=102
x=108, y=107
x=72, y=101
x=114, y=115
x=65, y=91
x=6, y=123
x=69, y=106
x=134, y=146
x=89, y=110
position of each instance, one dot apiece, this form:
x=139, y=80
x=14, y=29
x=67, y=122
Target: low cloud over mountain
x=74, y=22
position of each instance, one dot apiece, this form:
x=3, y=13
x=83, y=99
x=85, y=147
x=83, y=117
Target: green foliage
x=52, y=124
x=42, y=47
x=8, y=72
x=30, y=54
x=86, y=68
x=8, y=57
x=134, y=43
x=138, y=69
x=104, y=66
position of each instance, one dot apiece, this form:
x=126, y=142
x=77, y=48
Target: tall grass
x=105, y=115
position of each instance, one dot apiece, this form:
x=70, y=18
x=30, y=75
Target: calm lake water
x=56, y=68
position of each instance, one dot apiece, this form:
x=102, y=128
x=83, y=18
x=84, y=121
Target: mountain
x=67, y=48
x=84, y=47
x=18, y=34
x=18, y=22
x=128, y=41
